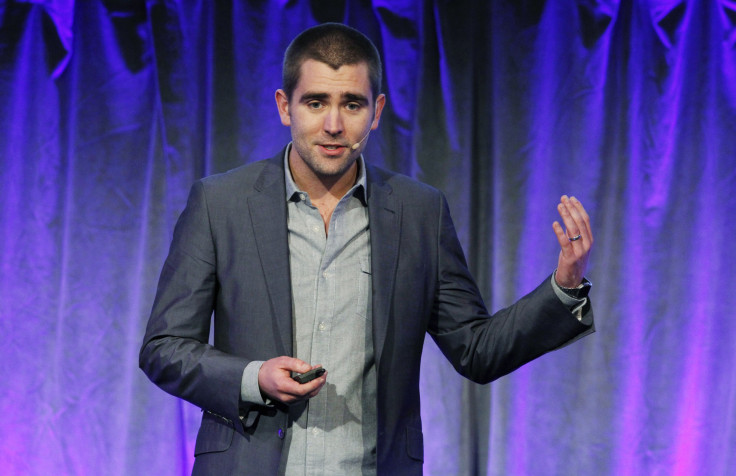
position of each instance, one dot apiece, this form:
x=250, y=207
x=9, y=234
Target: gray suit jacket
x=230, y=254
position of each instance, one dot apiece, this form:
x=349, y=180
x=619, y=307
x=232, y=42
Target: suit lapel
x=268, y=219
x=385, y=222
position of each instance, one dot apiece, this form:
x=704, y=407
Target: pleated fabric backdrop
x=109, y=110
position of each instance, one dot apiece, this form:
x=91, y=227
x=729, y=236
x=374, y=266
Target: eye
x=353, y=106
x=314, y=105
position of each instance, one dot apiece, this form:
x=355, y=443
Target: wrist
x=578, y=292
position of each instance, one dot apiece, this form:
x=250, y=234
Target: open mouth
x=333, y=148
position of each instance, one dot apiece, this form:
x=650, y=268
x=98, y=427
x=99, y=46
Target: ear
x=380, y=102
x=282, y=103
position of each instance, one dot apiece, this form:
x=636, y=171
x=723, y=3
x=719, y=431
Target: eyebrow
x=310, y=96
x=351, y=97
x=355, y=97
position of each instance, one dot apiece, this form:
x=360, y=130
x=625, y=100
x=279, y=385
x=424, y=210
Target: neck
x=324, y=191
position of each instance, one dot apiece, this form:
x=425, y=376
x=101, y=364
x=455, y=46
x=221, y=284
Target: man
x=315, y=258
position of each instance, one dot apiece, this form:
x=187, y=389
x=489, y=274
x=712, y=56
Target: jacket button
x=281, y=433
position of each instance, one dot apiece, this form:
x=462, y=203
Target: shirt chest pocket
x=363, y=301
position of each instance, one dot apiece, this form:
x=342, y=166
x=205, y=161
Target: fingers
x=561, y=236
x=577, y=223
x=301, y=391
x=274, y=379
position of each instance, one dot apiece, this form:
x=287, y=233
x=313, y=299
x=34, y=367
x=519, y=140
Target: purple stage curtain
x=109, y=110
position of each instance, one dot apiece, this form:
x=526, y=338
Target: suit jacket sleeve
x=483, y=348
x=175, y=353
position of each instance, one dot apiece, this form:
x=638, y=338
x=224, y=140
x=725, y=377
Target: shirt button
x=322, y=326
x=324, y=274
x=303, y=196
x=315, y=431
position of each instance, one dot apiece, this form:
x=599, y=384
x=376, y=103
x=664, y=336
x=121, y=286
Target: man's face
x=329, y=112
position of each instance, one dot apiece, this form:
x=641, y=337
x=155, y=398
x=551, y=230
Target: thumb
x=295, y=365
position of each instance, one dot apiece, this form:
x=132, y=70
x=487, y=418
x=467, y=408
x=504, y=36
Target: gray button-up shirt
x=334, y=432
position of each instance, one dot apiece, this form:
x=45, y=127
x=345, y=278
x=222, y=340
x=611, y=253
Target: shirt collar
x=358, y=190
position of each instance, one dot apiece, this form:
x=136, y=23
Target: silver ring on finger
x=575, y=238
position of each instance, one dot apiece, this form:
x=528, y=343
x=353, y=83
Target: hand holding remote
x=276, y=382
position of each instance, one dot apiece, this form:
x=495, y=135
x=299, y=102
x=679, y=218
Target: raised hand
x=576, y=241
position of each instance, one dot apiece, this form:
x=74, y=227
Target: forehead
x=318, y=78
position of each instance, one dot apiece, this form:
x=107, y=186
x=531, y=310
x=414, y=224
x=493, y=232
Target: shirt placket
x=324, y=315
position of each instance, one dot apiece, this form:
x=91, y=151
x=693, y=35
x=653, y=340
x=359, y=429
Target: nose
x=333, y=122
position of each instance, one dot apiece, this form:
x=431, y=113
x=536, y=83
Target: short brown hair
x=335, y=45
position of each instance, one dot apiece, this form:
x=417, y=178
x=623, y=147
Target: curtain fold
x=110, y=110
